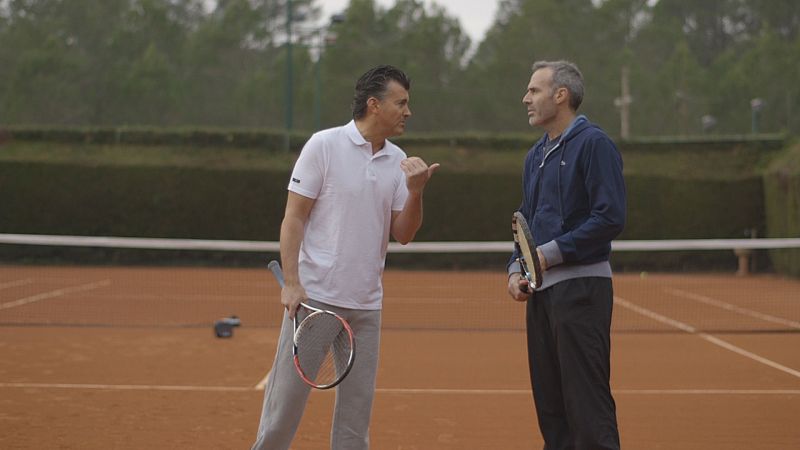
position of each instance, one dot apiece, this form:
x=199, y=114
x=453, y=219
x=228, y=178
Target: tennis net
x=660, y=286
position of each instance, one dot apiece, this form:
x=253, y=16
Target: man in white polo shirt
x=350, y=190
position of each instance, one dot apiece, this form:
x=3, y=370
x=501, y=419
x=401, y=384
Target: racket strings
x=323, y=348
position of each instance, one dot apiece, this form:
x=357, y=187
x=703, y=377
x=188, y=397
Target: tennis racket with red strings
x=323, y=347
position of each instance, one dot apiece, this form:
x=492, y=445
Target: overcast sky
x=475, y=15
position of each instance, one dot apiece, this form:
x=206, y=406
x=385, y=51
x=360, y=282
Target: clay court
x=126, y=358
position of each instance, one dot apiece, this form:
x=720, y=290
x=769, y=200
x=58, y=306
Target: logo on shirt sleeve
x=295, y=180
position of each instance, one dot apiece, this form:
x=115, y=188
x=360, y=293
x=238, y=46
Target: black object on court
x=224, y=328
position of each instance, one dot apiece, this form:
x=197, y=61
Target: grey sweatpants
x=285, y=394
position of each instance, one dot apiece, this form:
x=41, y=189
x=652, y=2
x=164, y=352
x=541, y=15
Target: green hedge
x=169, y=202
x=276, y=139
x=678, y=188
x=216, y=204
x=669, y=208
x=782, y=206
x=248, y=204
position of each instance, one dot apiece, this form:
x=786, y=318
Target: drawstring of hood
x=561, y=141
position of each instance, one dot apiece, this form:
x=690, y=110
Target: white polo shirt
x=343, y=252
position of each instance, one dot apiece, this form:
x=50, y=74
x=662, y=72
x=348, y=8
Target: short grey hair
x=566, y=75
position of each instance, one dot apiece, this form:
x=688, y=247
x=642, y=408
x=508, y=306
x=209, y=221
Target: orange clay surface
x=125, y=358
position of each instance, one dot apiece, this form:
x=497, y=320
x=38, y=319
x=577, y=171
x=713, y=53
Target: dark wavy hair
x=373, y=84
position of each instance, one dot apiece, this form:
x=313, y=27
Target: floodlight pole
x=625, y=122
x=317, y=87
x=289, y=75
x=756, y=105
x=623, y=102
x=322, y=31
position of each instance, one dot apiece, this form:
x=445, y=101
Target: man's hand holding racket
x=323, y=344
x=292, y=295
x=518, y=285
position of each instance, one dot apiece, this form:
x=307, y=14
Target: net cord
x=394, y=247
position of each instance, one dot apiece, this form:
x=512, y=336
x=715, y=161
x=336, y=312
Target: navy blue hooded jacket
x=574, y=196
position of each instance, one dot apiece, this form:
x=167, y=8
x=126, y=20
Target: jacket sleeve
x=605, y=188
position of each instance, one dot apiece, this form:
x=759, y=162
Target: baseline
x=392, y=391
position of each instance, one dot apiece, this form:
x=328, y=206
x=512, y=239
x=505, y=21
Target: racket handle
x=275, y=267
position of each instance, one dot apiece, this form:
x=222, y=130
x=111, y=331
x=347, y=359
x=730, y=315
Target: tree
x=769, y=71
x=525, y=31
x=225, y=63
x=425, y=43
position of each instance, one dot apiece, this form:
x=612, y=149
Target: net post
x=744, y=254
x=744, y=261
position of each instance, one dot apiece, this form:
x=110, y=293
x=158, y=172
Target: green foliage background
x=782, y=189
x=179, y=63
x=133, y=117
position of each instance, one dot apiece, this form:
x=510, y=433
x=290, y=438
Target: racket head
x=323, y=347
x=528, y=260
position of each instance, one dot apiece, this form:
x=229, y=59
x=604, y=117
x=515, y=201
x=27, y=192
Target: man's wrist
x=542, y=259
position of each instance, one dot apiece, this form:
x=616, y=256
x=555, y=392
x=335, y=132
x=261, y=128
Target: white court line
x=707, y=391
x=392, y=391
x=733, y=308
x=16, y=283
x=125, y=387
x=261, y=384
x=615, y=391
x=56, y=293
x=705, y=336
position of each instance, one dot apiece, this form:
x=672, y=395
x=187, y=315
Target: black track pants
x=569, y=350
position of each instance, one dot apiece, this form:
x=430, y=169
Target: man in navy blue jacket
x=574, y=202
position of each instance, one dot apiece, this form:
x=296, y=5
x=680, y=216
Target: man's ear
x=562, y=95
x=373, y=104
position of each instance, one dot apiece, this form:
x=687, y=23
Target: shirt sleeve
x=400, y=194
x=401, y=191
x=308, y=175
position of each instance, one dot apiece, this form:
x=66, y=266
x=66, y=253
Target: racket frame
x=527, y=251
x=275, y=267
x=351, y=357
